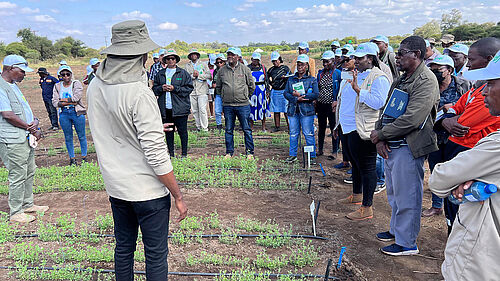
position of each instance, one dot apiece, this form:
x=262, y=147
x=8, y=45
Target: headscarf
x=122, y=70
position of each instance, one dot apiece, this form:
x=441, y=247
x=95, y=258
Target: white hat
x=17, y=61
x=275, y=55
x=338, y=52
x=381, y=38
x=94, y=61
x=490, y=72
x=459, y=48
x=328, y=55
x=363, y=50
x=443, y=60
x=256, y=56
x=64, y=67
x=303, y=58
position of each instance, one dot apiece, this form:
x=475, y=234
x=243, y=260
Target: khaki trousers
x=199, y=110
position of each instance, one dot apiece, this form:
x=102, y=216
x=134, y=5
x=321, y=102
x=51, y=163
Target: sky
x=236, y=22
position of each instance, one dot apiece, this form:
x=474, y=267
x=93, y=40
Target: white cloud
x=55, y=11
x=193, y=4
x=168, y=26
x=239, y=23
x=7, y=5
x=265, y=22
x=132, y=15
x=43, y=18
x=244, y=7
x=27, y=10
x=72, y=32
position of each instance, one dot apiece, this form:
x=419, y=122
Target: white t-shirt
x=169, y=72
x=5, y=103
x=66, y=92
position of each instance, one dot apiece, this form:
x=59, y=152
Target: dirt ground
x=363, y=260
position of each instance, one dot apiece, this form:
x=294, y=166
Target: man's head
x=334, y=45
x=42, y=71
x=458, y=53
x=193, y=55
x=347, y=48
x=482, y=52
x=233, y=55
x=382, y=43
x=156, y=57
x=447, y=40
x=428, y=50
x=442, y=66
x=491, y=92
x=431, y=41
x=94, y=63
x=303, y=48
x=410, y=54
x=15, y=68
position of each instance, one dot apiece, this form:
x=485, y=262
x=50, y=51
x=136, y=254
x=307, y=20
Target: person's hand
x=334, y=106
x=454, y=128
x=170, y=88
x=446, y=107
x=374, y=137
x=196, y=74
x=33, y=126
x=180, y=205
x=302, y=98
x=164, y=87
x=295, y=93
x=38, y=135
x=354, y=81
x=459, y=191
x=383, y=149
x=168, y=127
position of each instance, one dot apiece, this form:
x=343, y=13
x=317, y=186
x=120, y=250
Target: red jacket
x=476, y=116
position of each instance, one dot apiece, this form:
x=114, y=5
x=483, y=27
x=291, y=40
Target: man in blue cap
x=94, y=64
x=458, y=53
x=334, y=46
x=47, y=83
x=20, y=131
x=158, y=65
x=385, y=55
x=303, y=50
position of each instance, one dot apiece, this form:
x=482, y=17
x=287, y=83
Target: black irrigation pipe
x=269, y=169
x=142, y=272
x=312, y=237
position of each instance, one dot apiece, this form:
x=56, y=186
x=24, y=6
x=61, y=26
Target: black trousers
x=343, y=141
x=52, y=112
x=363, y=157
x=152, y=217
x=180, y=123
x=325, y=113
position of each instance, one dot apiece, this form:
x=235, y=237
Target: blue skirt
x=278, y=102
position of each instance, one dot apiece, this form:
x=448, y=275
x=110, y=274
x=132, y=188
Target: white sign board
x=309, y=148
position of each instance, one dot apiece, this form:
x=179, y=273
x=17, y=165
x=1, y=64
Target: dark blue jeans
x=68, y=118
x=152, y=217
x=230, y=114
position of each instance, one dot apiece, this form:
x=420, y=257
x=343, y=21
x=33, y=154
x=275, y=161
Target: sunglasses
x=170, y=58
x=401, y=53
x=65, y=74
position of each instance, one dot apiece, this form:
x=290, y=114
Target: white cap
x=328, y=55
x=443, y=60
x=275, y=55
x=490, y=72
x=303, y=58
x=256, y=56
x=459, y=48
x=64, y=67
x=363, y=50
x=17, y=61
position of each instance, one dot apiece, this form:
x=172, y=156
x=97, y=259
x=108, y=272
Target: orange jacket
x=476, y=116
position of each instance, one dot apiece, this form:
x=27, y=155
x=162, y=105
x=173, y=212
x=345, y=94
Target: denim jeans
x=243, y=113
x=218, y=109
x=52, y=112
x=68, y=119
x=298, y=122
x=380, y=170
x=152, y=217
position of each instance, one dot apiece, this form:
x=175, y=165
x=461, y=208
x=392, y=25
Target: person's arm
x=312, y=67
x=158, y=85
x=250, y=82
x=315, y=91
x=207, y=75
x=478, y=116
x=376, y=97
x=459, y=107
x=77, y=92
x=186, y=86
x=218, y=82
x=149, y=131
x=336, y=84
x=288, y=93
x=55, y=95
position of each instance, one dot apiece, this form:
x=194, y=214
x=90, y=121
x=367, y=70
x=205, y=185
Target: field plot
x=246, y=217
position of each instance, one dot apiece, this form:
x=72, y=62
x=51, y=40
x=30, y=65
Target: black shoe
x=385, y=236
x=275, y=129
x=72, y=162
x=291, y=159
x=348, y=180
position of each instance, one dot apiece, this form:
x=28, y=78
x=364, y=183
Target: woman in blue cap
x=276, y=76
x=301, y=91
x=259, y=108
x=67, y=96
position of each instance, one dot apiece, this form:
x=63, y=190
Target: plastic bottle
x=478, y=191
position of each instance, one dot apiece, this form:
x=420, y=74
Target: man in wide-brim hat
x=129, y=139
x=199, y=97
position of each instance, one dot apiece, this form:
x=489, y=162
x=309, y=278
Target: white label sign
x=309, y=148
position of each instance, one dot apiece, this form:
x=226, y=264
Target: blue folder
x=397, y=103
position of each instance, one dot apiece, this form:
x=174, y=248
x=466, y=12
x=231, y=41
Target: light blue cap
x=443, y=60
x=303, y=58
x=459, y=48
x=338, y=52
x=212, y=58
x=328, y=55
x=335, y=43
x=156, y=55
x=256, y=56
x=490, y=72
x=364, y=49
x=162, y=52
x=427, y=43
x=381, y=38
x=390, y=48
x=94, y=61
x=304, y=45
x=89, y=69
x=17, y=61
x=64, y=67
x=220, y=56
x=275, y=55
x=373, y=47
x=63, y=62
x=234, y=50
x=349, y=53
x=239, y=51
x=348, y=47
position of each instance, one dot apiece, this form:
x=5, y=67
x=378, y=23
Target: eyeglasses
x=65, y=74
x=401, y=53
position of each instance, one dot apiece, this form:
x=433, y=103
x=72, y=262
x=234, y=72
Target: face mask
x=439, y=75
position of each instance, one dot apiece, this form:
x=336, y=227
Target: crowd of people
x=388, y=112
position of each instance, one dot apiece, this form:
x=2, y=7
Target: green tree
x=451, y=20
x=70, y=47
x=41, y=44
x=16, y=48
x=471, y=31
x=428, y=30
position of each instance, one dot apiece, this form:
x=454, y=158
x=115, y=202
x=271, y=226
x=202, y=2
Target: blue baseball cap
x=89, y=69
x=327, y=55
x=303, y=58
x=363, y=50
x=220, y=56
x=17, y=61
x=338, y=52
x=162, y=52
x=212, y=58
x=443, y=60
x=381, y=38
x=64, y=67
x=93, y=61
x=234, y=50
x=256, y=56
x=490, y=72
x=239, y=52
x=275, y=55
x=427, y=43
x=335, y=43
x=373, y=47
x=348, y=47
x=156, y=55
x=304, y=45
x=459, y=48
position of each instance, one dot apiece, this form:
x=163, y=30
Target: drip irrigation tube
x=32, y=235
x=207, y=274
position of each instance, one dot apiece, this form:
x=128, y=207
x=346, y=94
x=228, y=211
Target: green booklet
x=299, y=87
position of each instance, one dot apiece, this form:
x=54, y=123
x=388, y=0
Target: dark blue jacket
x=183, y=86
x=47, y=85
x=312, y=92
x=336, y=81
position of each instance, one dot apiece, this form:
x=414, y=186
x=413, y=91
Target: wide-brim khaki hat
x=171, y=52
x=447, y=38
x=130, y=38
